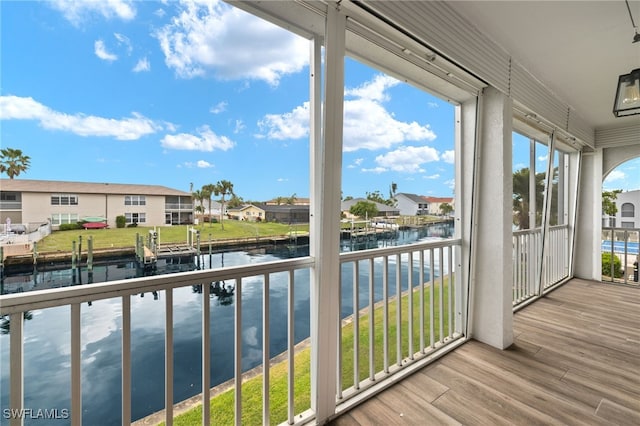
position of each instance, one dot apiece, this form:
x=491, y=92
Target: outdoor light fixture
x=628, y=94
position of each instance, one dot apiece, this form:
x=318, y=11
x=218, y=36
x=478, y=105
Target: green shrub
x=121, y=221
x=606, y=265
x=132, y=225
x=70, y=226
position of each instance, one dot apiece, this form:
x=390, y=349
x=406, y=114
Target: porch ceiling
x=576, y=48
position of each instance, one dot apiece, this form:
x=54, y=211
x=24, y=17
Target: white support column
x=465, y=150
x=492, y=266
x=326, y=155
x=587, y=257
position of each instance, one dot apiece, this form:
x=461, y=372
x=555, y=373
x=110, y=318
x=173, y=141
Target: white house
x=628, y=215
x=411, y=204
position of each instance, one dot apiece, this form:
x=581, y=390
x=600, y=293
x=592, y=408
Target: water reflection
x=47, y=333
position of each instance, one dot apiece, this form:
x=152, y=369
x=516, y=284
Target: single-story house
x=286, y=213
x=383, y=209
x=249, y=212
x=58, y=202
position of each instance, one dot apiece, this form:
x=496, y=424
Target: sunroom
x=523, y=78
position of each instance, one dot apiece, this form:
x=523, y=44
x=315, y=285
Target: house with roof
x=411, y=204
x=434, y=204
x=383, y=209
x=249, y=212
x=58, y=202
x=279, y=201
x=286, y=213
x=283, y=213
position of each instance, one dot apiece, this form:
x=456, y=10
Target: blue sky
x=174, y=93
x=191, y=92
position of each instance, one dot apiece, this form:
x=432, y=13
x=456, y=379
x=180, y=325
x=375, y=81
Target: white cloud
x=408, y=159
x=367, y=123
x=432, y=104
x=101, y=52
x=214, y=39
x=124, y=40
x=78, y=11
x=451, y=183
x=436, y=176
x=135, y=127
x=543, y=158
x=290, y=125
x=142, y=65
x=206, y=140
x=239, y=127
x=202, y=164
x=449, y=156
x=375, y=170
x=374, y=90
x=218, y=108
x=160, y=13
x=615, y=175
x=282, y=180
x=356, y=163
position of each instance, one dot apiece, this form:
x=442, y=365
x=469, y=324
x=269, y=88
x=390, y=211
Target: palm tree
x=199, y=197
x=13, y=162
x=292, y=200
x=222, y=188
x=207, y=192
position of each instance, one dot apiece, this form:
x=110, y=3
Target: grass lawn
x=222, y=406
x=126, y=237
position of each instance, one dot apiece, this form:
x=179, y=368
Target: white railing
x=621, y=255
x=178, y=206
x=526, y=265
x=556, y=266
x=16, y=305
x=407, y=329
x=426, y=274
x=527, y=246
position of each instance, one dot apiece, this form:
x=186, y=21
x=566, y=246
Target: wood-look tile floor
x=575, y=361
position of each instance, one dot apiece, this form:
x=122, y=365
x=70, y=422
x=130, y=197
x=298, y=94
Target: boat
x=94, y=219
x=94, y=225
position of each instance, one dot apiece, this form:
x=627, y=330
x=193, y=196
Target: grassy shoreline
x=223, y=400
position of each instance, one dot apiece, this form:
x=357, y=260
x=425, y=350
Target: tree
x=292, y=200
x=207, y=192
x=364, y=209
x=235, y=201
x=521, y=197
x=446, y=208
x=348, y=197
x=376, y=196
x=13, y=162
x=199, y=196
x=222, y=188
x=393, y=188
x=609, y=206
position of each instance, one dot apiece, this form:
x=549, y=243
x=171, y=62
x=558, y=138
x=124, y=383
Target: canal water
x=47, y=332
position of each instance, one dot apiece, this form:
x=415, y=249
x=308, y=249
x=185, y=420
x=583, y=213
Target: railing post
x=16, y=359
